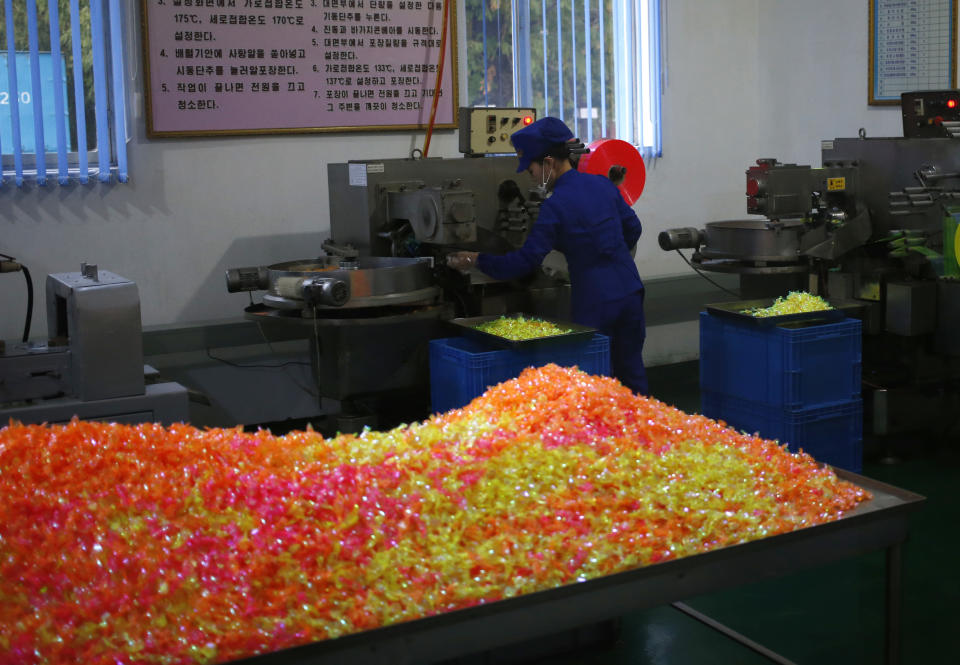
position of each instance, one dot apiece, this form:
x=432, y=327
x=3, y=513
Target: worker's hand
x=462, y=261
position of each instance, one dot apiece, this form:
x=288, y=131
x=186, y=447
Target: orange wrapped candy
x=146, y=544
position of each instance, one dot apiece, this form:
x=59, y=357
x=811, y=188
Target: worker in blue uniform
x=586, y=218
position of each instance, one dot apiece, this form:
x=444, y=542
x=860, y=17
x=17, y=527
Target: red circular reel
x=610, y=153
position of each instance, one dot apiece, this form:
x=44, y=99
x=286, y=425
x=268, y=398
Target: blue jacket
x=587, y=219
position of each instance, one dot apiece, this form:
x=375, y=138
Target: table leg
x=894, y=603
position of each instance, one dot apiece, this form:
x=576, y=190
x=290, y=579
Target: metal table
x=880, y=523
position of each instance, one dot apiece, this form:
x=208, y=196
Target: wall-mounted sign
x=913, y=47
x=278, y=66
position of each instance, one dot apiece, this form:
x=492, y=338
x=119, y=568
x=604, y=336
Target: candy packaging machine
x=875, y=225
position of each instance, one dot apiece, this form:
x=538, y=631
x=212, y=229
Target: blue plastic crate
x=788, y=366
x=831, y=434
x=462, y=368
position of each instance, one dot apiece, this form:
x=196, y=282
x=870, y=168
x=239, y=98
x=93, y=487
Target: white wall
x=710, y=119
x=709, y=137
x=813, y=60
x=197, y=206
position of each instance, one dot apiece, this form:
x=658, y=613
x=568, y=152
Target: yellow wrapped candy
x=520, y=328
x=796, y=302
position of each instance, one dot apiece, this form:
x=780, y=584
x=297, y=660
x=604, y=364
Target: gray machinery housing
x=393, y=222
x=91, y=365
x=431, y=207
x=875, y=225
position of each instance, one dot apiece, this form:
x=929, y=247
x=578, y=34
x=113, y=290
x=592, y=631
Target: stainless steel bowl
x=374, y=281
x=753, y=240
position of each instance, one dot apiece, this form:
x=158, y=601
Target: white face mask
x=544, y=181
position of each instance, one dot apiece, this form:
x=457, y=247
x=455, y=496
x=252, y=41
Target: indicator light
x=527, y=119
x=951, y=103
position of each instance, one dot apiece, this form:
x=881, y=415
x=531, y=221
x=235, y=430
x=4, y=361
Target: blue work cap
x=535, y=140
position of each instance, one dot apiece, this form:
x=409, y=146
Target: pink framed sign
x=284, y=66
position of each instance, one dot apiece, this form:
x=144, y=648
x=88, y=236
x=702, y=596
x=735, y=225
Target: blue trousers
x=623, y=322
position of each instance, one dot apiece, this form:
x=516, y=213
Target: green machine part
x=951, y=230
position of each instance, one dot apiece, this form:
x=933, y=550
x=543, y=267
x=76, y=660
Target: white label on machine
x=358, y=175
x=375, y=168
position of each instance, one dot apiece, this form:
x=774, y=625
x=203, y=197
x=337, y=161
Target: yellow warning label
x=836, y=184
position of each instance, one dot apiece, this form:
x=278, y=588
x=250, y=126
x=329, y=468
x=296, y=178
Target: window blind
x=596, y=64
x=54, y=140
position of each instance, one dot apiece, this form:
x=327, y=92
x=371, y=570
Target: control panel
x=486, y=130
x=931, y=113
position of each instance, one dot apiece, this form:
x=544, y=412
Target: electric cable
x=29, y=318
x=17, y=266
x=437, y=86
x=699, y=272
x=294, y=381
x=254, y=365
x=283, y=365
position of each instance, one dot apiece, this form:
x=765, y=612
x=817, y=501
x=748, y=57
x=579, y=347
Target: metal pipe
x=770, y=655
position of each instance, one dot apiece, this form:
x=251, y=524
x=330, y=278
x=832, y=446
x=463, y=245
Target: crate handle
x=794, y=383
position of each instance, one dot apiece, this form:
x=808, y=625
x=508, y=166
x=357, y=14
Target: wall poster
x=283, y=66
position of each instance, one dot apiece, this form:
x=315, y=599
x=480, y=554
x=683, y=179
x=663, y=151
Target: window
x=62, y=98
x=595, y=64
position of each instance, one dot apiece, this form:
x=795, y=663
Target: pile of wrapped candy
x=521, y=328
x=795, y=302
x=152, y=544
